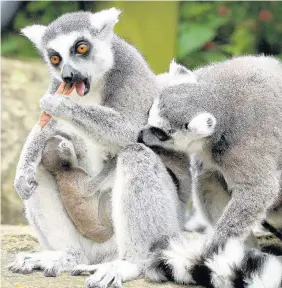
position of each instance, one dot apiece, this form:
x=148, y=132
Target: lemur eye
x=186, y=125
x=55, y=59
x=82, y=48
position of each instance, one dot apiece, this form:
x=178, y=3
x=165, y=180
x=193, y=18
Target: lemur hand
x=25, y=183
x=56, y=105
x=64, y=89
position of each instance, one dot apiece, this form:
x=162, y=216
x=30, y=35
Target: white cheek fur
x=94, y=69
x=155, y=119
x=63, y=43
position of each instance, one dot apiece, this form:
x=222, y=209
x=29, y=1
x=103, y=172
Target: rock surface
x=21, y=238
x=23, y=83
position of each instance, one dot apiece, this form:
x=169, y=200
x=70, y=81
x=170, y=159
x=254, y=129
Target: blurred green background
x=195, y=33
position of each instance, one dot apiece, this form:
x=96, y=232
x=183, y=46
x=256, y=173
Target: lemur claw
x=53, y=263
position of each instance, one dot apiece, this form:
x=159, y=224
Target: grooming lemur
x=229, y=122
x=81, y=49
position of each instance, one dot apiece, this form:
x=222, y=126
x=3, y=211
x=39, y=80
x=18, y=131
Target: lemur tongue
x=80, y=88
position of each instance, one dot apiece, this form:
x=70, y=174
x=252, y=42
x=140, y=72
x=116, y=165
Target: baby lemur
x=92, y=217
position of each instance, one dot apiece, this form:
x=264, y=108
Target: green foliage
x=207, y=31
x=213, y=31
x=34, y=12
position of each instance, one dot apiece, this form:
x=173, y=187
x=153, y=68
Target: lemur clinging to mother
x=115, y=90
x=91, y=216
x=229, y=122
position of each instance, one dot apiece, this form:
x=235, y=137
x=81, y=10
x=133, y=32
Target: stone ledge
x=16, y=239
x=21, y=238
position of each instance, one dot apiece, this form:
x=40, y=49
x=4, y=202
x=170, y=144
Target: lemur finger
x=64, y=88
x=79, y=269
x=44, y=118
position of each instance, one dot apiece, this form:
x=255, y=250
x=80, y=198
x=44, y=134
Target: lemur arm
x=25, y=183
x=103, y=123
x=255, y=187
x=91, y=186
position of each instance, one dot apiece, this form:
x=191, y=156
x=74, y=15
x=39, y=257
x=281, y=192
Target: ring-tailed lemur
x=77, y=189
x=81, y=49
x=229, y=122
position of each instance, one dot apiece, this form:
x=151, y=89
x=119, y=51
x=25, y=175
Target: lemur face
x=177, y=121
x=58, y=154
x=77, y=46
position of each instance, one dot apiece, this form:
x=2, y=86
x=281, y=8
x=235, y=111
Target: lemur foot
x=25, y=183
x=231, y=266
x=111, y=274
x=51, y=262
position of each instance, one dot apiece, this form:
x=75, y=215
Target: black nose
x=68, y=78
x=71, y=75
x=140, y=137
x=159, y=133
x=68, y=74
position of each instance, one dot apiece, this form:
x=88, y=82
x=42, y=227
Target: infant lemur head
x=58, y=155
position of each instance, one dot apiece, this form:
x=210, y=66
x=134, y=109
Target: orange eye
x=55, y=59
x=82, y=48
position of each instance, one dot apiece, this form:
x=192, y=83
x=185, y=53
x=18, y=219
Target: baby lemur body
x=89, y=211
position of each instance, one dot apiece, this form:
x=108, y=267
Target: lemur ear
x=202, y=124
x=105, y=21
x=181, y=73
x=34, y=33
x=178, y=69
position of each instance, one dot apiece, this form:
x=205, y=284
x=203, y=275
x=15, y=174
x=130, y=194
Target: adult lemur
x=81, y=49
x=229, y=122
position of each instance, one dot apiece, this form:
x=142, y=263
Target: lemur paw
x=79, y=269
x=25, y=183
x=56, y=105
x=110, y=274
x=23, y=264
x=51, y=262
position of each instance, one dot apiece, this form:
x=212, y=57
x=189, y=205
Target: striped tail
x=232, y=267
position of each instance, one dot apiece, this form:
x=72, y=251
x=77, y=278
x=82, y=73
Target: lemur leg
x=209, y=194
x=255, y=186
x=145, y=211
x=210, y=197
x=64, y=246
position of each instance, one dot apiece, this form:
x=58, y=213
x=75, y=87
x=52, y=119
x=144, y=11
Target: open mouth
x=82, y=88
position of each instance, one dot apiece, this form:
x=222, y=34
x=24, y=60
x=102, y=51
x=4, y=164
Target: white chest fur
x=96, y=153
